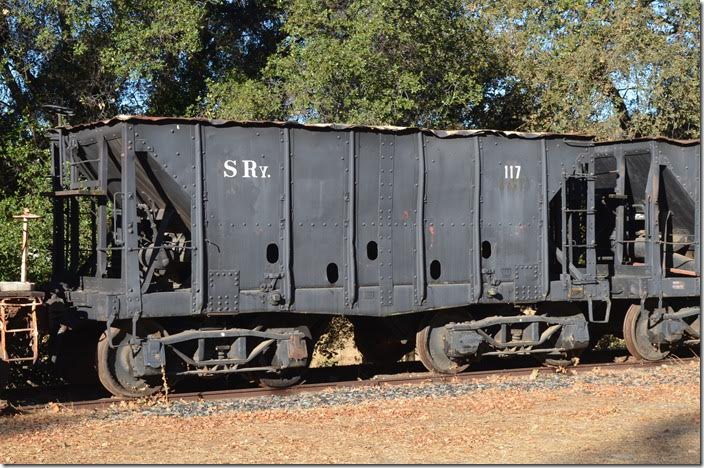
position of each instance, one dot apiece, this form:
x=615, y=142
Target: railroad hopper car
x=208, y=247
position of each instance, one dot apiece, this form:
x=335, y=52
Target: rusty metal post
x=13, y=307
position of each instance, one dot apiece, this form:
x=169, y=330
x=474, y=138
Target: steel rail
x=377, y=381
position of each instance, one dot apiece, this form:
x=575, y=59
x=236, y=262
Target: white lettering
x=250, y=169
x=230, y=169
x=512, y=172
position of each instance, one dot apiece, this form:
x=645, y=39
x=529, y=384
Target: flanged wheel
x=566, y=358
x=286, y=377
x=115, y=365
x=635, y=333
x=283, y=379
x=430, y=343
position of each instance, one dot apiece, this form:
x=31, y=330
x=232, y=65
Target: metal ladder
x=571, y=274
x=79, y=175
x=31, y=331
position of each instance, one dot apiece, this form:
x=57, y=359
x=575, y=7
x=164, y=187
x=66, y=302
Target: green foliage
x=615, y=69
x=333, y=341
x=100, y=58
x=375, y=62
x=23, y=171
x=110, y=56
x=145, y=33
x=235, y=39
x=610, y=343
x=241, y=98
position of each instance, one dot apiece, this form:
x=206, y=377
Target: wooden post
x=25, y=217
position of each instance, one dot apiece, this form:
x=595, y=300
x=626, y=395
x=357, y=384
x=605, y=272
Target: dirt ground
x=583, y=423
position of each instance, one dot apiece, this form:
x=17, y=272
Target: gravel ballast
x=547, y=379
x=640, y=416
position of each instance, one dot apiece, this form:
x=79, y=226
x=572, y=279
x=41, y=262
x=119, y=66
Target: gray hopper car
x=207, y=247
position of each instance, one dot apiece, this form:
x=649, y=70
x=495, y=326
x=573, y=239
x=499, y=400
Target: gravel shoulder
x=640, y=416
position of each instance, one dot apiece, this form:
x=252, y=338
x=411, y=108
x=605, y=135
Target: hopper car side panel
x=359, y=222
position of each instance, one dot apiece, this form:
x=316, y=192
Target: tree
x=98, y=58
x=397, y=62
x=106, y=57
x=616, y=69
x=234, y=38
x=24, y=173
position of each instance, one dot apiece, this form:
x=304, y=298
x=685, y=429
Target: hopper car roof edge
x=440, y=133
x=647, y=138
x=320, y=126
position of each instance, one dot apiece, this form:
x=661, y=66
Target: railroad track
x=376, y=381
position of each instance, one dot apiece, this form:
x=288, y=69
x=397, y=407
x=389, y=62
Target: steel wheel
x=566, y=358
x=115, y=366
x=286, y=378
x=635, y=333
x=430, y=343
